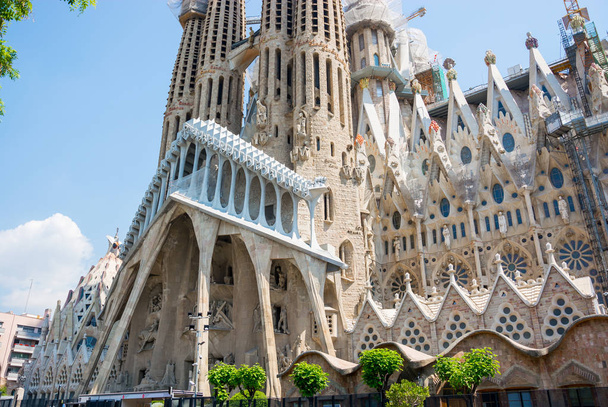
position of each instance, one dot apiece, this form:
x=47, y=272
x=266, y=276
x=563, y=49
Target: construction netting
x=180, y=7
x=361, y=10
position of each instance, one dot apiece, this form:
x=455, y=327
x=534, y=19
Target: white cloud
x=53, y=252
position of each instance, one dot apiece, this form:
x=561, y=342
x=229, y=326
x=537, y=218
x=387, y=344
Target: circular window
x=396, y=220
x=372, y=162
x=444, y=206
x=508, y=142
x=557, y=178
x=498, y=193
x=465, y=155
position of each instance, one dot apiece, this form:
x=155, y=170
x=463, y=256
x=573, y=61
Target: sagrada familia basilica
x=354, y=198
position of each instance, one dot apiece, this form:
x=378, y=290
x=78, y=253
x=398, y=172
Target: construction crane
x=418, y=13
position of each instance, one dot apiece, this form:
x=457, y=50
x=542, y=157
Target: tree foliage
x=17, y=10
x=251, y=379
x=310, y=379
x=3, y=390
x=224, y=379
x=464, y=374
x=406, y=394
x=377, y=367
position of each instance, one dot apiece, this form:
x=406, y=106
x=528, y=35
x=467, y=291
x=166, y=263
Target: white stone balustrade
x=216, y=168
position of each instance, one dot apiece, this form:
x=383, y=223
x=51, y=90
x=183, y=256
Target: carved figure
x=531, y=42
x=257, y=319
x=262, y=116
x=300, y=345
x=222, y=311
x=502, y=224
x=156, y=303
x=282, y=323
x=284, y=358
x=358, y=173
x=301, y=126
x=446, y=237
x=147, y=336
x=484, y=121
x=168, y=379
x=147, y=382
x=259, y=139
x=371, y=248
x=563, y=209
x=229, y=359
x=397, y=246
x=599, y=89
x=416, y=86
x=538, y=107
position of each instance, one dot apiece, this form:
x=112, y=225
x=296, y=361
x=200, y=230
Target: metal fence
x=568, y=397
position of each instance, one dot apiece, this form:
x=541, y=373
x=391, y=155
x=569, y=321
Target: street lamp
x=196, y=327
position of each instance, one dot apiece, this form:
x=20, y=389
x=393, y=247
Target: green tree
x=3, y=389
x=406, y=394
x=251, y=379
x=310, y=379
x=377, y=367
x=465, y=373
x=17, y=10
x=224, y=379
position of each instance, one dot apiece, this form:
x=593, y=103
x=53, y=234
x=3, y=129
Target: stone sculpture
x=147, y=336
x=446, y=237
x=599, y=89
x=168, y=379
x=397, y=246
x=262, y=116
x=282, y=322
x=222, y=313
x=502, y=224
x=562, y=205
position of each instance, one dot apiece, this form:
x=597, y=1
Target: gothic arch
x=395, y=282
x=347, y=255
x=572, y=247
x=514, y=258
x=464, y=273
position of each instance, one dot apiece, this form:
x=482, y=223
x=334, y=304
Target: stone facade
x=346, y=213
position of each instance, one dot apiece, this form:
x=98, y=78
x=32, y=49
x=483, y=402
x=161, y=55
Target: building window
x=361, y=42
x=318, y=144
x=435, y=236
x=465, y=155
x=363, y=63
x=496, y=224
x=412, y=242
x=518, y=216
x=379, y=91
x=501, y=108
x=331, y=149
x=498, y=193
x=463, y=232
x=454, y=232
x=508, y=142
x=476, y=227
x=487, y=224
x=328, y=209
x=372, y=163
x=375, y=37
x=396, y=220
x=546, y=210
x=376, y=60
x=460, y=123
x=571, y=204
x=423, y=235
x=556, y=207
x=582, y=397
x=386, y=247
x=557, y=178
x=509, y=218
x=520, y=399
x=546, y=92
x=444, y=206
x=404, y=243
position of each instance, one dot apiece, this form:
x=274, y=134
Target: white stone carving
x=445, y=231
x=563, y=209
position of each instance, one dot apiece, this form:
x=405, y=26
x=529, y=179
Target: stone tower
x=275, y=93
x=370, y=40
x=219, y=89
x=323, y=142
x=181, y=93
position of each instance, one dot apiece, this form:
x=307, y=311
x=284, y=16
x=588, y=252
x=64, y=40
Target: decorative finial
x=416, y=87
x=407, y=278
x=550, y=252
x=364, y=83
x=490, y=58
x=565, y=267
x=451, y=74
x=531, y=42
x=451, y=269
x=449, y=63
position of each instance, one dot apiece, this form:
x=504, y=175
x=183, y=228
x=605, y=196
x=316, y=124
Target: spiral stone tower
x=181, y=92
x=219, y=90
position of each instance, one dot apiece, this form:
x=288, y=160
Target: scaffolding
x=576, y=131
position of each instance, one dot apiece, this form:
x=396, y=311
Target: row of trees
x=463, y=374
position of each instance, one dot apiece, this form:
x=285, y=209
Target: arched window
x=496, y=224
x=476, y=227
x=375, y=37
x=376, y=60
x=454, y=232
x=361, y=42
x=487, y=224
x=434, y=236
x=509, y=218
x=463, y=232
x=498, y=193
x=396, y=220
x=546, y=210
x=518, y=216
x=546, y=92
x=328, y=209
x=379, y=90
x=555, y=207
x=465, y=155
x=346, y=253
x=444, y=207
x=318, y=144
x=571, y=204
x=460, y=123
x=372, y=163
x=501, y=109
x=363, y=63
x=331, y=149
x=508, y=142
x=556, y=177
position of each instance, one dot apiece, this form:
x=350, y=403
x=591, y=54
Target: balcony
x=2, y=330
x=21, y=334
x=12, y=377
x=19, y=347
x=16, y=362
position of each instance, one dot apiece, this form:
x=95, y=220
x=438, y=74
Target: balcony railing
x=12, y=377
x=19, y=347
x=16, y=362
x=27, y=335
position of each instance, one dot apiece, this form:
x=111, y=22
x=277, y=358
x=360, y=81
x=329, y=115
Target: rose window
x=577, y=254
x=461, y=274
x=398, y=285
x=512, y=262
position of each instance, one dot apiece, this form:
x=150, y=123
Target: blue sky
x=83, y=124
